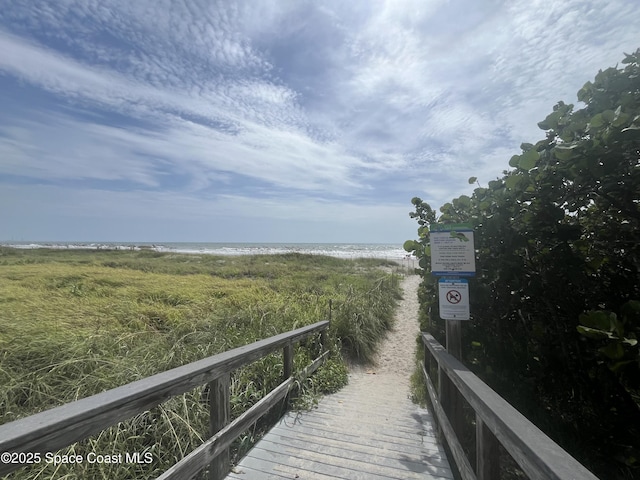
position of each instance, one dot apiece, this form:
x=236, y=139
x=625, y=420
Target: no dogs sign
x=453, y=295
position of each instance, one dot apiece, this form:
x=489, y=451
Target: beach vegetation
x=555, y=304
x=78, y=322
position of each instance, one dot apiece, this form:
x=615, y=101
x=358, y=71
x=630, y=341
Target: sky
x=276, y=120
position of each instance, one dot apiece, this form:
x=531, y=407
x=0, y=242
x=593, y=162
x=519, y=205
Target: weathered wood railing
x=62, y=426
x=497, y=422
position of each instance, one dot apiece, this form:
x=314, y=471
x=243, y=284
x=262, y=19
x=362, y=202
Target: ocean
x=341, y=250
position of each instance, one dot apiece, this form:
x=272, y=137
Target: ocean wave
x=350, y=250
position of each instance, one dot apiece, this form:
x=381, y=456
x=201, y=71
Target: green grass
x=75, y=323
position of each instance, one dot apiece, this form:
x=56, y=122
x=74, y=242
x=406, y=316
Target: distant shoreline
x=340, y=250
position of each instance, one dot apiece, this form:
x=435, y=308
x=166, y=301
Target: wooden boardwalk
x=368, y=430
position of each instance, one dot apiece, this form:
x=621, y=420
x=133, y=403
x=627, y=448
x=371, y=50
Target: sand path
x=395, y=361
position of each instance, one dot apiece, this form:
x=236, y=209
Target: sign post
x=453, y=257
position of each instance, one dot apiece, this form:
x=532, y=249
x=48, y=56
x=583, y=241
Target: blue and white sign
x=452, y=250
x=453, y=296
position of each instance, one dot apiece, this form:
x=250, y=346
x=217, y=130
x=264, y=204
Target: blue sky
x=276, y=121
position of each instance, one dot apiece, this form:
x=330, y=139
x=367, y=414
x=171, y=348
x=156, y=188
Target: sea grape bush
x=556, y=301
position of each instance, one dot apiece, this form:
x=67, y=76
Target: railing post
x=287, y=354
x=451, y=401
x=428, y=362
x=288, y=360
x=324, y=334
x=219, y=417
x=323, y=341
x=454, y=338
x=487, y=452
x=427, y=359
x=454, y=399
x=443, y=390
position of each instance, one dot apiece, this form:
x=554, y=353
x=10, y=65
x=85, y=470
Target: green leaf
x=632, y=132
x=563, y=152
x=512, y=181
x=528, y=160
x=514, y=161
x=593, y=165
x=525, y=147
x=608, y=116
x=598, y=319
x=613, y=351
x=462, y=201
x=592, y=333
x=495, y=184
x=630, y=309
x=551, y=122
x=617, y=326
x=409, y=246
x=472, y=180
x=596, y=263
x=618, y=365
x=585, y=92
x=567, y=134
x=542, y=144
x=621, y=120
x=597, y=121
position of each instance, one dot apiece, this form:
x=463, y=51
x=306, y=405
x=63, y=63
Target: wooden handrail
x=497, y=421
x=62, y=426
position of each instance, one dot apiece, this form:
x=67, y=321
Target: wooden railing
x=496, y=422
x=62, y=426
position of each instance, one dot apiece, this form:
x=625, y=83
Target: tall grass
x=75, y=323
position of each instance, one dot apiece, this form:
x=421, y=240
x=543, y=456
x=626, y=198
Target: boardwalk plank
x=329, y=437
x=406, y=427
x=415, y=461
x=378, y=443
x=352, y=434
x=432, y=453
x=247, y=472
x=306, y=461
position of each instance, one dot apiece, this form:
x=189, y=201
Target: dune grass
x=75, y=323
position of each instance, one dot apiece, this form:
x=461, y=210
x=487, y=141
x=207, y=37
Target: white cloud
x=323, y=101
x=45, y=150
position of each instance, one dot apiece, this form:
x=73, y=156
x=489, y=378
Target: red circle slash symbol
x=453, y=296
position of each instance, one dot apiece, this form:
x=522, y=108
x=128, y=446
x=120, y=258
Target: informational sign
x=453, y=295
x=452, y=250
